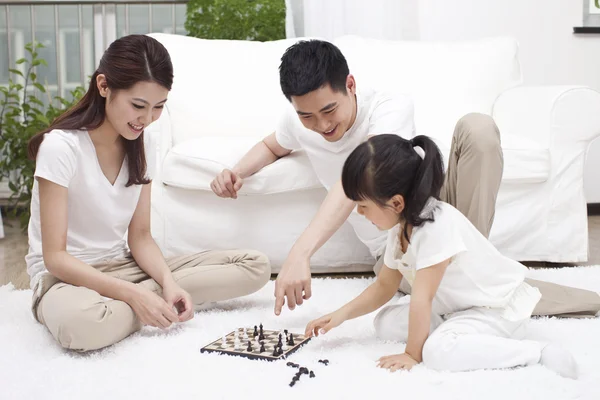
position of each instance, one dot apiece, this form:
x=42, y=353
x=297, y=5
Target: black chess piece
x=304, y=370
x=291, y=341
x=275, y=353
x=249, y=346
x=326, y=362
x=261, y=329
x=255, y=331
x=261, y=336
x=312, y=374
x=262, y=347
x=279, y=343
x=286, y=332
x=280, y=349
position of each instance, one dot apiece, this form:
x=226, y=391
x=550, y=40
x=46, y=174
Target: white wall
x=549, y=51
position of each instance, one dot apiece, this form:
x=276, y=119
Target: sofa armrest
x=553, y=116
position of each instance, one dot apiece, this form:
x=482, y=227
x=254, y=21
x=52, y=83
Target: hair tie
x=418, y=149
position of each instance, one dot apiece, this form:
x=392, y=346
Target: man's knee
x=478, y=132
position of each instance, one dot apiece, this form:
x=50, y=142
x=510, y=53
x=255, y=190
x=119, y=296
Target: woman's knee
x=260, y=266
x=83, y=327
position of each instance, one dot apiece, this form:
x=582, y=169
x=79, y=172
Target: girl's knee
x=438, y=351
x=391, y=323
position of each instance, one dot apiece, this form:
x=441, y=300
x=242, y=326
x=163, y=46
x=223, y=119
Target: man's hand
x=397, y=361
x=293, y=282
x=227, y=184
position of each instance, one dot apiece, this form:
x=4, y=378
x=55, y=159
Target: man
x=329, y=119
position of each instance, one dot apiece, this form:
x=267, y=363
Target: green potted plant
x=22, y=115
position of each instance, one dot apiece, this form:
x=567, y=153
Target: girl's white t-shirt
x=377, y=113
x=98, y=213
x=478, y=274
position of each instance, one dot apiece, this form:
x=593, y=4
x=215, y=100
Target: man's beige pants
x=81, y=319
x=471, y=185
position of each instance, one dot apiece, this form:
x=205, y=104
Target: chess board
x=271, y=339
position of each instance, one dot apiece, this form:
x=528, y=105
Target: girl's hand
x=397, y=361
x=151, y=309
x=176, y=297
x=324, y=324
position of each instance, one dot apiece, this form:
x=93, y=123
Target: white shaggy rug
x=168, y=365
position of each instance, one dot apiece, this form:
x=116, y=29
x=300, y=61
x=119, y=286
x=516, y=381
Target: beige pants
x=471, y=185
x=81, y=319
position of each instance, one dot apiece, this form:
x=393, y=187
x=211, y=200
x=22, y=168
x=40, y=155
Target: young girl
x=92, y=286
x=468, y=303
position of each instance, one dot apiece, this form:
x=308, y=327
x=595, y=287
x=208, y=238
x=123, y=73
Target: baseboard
x=593, y=209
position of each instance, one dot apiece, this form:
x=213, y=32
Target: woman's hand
x=151, y=309
x=397, y=361
x=324, y=324
x=176, y=297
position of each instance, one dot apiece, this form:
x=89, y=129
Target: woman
x=92, y=287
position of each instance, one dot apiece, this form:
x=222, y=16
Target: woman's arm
x=427, y=281
x=150, y=259
x=144, y=249
x=54, y=222
x=150, y=308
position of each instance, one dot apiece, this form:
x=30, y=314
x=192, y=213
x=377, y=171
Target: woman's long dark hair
x=127, y=61
x=388, y=165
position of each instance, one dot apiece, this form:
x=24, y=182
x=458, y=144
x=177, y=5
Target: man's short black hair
x=309, y=65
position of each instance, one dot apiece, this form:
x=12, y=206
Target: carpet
x=153, y=364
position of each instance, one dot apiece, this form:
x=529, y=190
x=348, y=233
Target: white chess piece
x=223, y=342
x=245, y=334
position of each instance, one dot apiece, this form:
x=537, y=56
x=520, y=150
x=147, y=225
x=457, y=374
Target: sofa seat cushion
x=194, y=163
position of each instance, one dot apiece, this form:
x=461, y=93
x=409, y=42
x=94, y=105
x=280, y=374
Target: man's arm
x=293, y=281
x=265, y=152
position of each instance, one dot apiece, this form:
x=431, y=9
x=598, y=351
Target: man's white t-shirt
x=377, y=113
x=98, y=213
x=478, y=274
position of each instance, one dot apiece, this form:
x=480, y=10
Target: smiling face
x=384, y=217
x=325, y=111
x=130, y=111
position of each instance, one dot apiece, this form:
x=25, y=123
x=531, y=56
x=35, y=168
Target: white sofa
x=226, y=97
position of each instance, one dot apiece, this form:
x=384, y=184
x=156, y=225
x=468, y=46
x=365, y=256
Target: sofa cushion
x=194, y=163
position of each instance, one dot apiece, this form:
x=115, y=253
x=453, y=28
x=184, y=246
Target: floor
x=13, y=248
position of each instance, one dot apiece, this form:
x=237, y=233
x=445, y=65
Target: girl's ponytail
x=387, y=165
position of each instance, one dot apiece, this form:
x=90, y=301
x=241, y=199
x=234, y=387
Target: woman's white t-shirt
x=98, y=213
x=478, y=274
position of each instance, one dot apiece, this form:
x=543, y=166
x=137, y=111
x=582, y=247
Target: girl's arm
x=427, y=281
x=372, y=298
x=150, y=309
